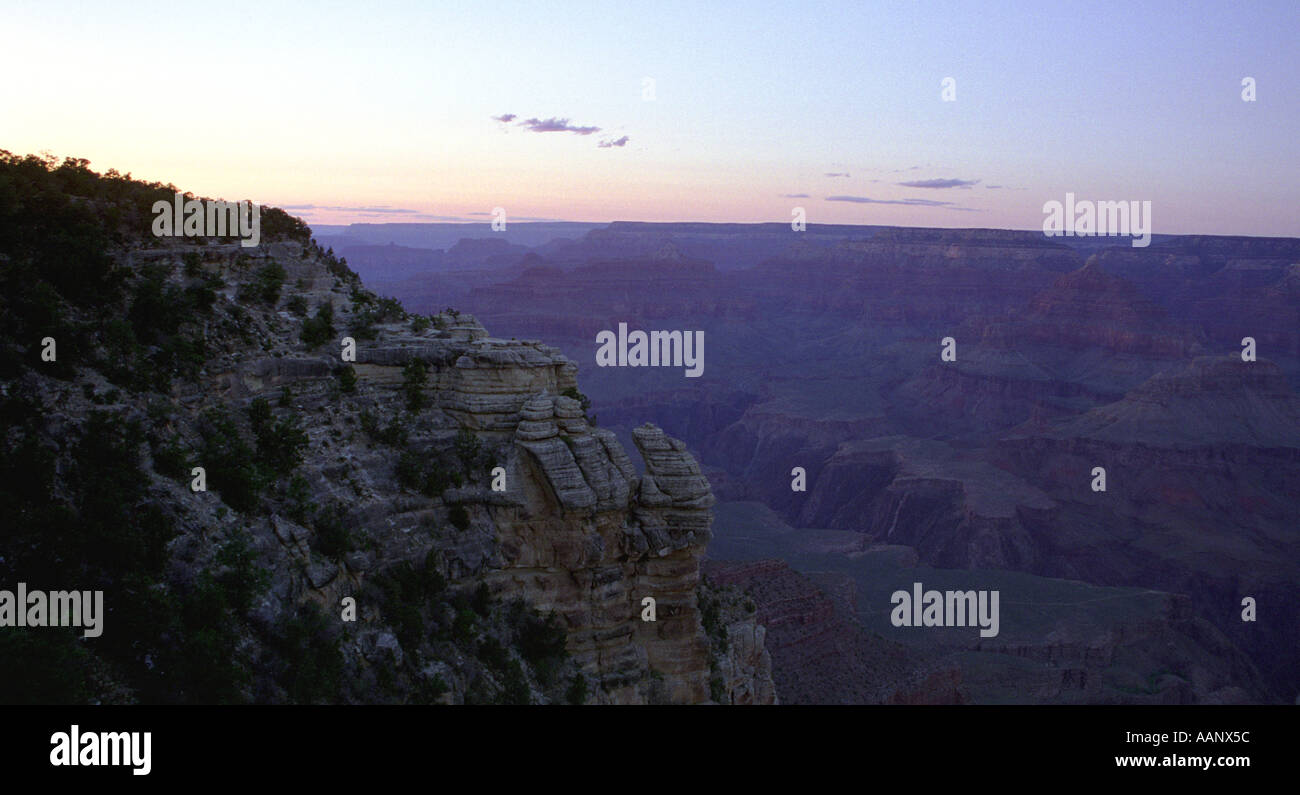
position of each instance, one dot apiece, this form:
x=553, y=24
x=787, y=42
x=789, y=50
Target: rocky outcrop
x=448, y=482
x=576, y=531
x=581, y=535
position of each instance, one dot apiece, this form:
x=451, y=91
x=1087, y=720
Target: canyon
x=1073, y=353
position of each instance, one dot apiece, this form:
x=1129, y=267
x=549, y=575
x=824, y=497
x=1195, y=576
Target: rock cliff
x=573, y=530
x=293, y=490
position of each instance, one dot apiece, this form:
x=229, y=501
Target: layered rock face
x=956, y=511
x=583, y=536
x=576, y=532
x=447, y=484
x=1202, y=466
x=1230, y=286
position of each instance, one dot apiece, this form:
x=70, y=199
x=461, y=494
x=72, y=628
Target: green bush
x=348, y=379
x=482, y=600
x=718, y=690
x=310, y=661
x=577, y=692
x=265, y=285
x=333, y=539
x=468, y=447
x=414, y=376
x=423, y=472
x=578, y=396
x=43, y=666
x=515, y=689
x=492, y=654
x=243, y=580
x=389, y=309
x=171, y=460
x=462, y=629
x=318, y=330
x=430, y=691
x=298, y=495
x=230, y=462
x=279, y=443
x=539, y=639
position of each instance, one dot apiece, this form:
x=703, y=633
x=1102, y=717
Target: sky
x=426, y=111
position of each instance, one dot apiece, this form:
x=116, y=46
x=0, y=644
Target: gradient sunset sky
x=385, y=111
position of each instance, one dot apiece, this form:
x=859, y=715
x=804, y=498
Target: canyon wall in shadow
x=822, y=351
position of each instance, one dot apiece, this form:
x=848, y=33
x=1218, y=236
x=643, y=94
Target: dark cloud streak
x=555, y=125
x=903, y=202
x=940, y=183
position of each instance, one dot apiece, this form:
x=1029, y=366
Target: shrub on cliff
x=417, y=473
x=414, y=376
x=229, y=461
x=582, y=399
x=171, y=459
x=514, y=689
x=468, y=448
x=318, y=330
x=541, y=640
x=279, y=443
x=333, y=539
x=577, y=692
x=310, y=663
x=348, y=379
x=265, y=285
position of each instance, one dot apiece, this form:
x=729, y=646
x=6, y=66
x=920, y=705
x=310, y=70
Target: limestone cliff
x=292, y=490
x=575, y=531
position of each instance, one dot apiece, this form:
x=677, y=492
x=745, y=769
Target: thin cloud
x=521, y=217
x=908, y=202
x=836, y=174
x=562, y=125
x=794, y=195
x=370, y=210
x=903, y=202
x=555, y=125
x=940, y=183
